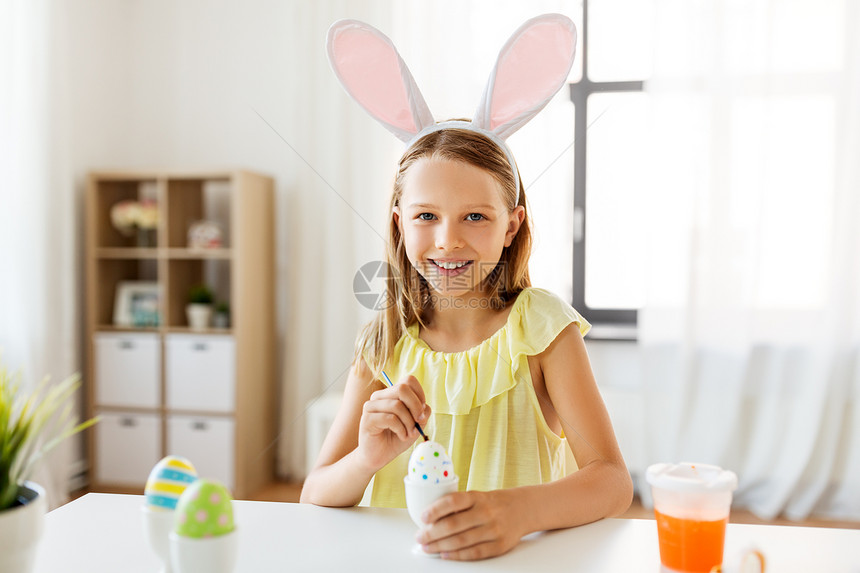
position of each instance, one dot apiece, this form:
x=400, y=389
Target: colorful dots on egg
x=430, y=463
x=166, y=482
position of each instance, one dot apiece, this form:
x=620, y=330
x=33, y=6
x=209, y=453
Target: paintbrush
x=390, y=384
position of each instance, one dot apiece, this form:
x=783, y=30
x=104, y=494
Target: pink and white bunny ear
x=532, y=66
x=373, y=73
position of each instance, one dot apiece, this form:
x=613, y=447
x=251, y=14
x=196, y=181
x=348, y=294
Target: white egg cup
x=420, y=495
x=158, y=524
x=209, y=554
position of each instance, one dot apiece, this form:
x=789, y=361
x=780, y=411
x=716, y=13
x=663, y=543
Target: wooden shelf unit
x=242, y=273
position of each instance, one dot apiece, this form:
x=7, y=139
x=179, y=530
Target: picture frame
x=137, y=304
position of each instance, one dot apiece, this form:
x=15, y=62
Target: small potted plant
x=222, y=315
x=31, y=425
x=199, y=309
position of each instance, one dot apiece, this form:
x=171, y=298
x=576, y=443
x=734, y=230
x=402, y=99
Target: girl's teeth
x=449, y=266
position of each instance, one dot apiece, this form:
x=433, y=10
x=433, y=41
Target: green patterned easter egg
x=204, y=510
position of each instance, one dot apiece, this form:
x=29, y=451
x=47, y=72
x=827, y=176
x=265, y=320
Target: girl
x=493, y=369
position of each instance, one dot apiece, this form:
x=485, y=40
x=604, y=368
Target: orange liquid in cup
x=690, y=545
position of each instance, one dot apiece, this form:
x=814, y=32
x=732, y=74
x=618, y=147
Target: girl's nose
x=447, y=237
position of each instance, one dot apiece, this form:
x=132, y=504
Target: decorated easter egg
x=430, y=463
x=205, y=509
x=166, y=482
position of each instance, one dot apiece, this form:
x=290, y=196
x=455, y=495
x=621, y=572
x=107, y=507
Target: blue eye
x=426, y=216
x=474, y=217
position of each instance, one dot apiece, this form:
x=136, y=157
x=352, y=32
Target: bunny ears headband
x=531, y=67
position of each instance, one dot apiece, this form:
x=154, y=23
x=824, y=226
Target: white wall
x=616, y=367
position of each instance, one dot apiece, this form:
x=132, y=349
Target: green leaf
x=31, y=425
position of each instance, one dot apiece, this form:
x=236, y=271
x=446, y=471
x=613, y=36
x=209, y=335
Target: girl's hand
x=472, y=525
x=387, y=426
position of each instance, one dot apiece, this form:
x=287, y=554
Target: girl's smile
x=451, y=268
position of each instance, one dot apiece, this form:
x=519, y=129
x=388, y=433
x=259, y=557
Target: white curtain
x=38, y=280
x=343, y=163
x=750, y=337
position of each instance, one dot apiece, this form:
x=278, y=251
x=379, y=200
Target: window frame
x=622, y=321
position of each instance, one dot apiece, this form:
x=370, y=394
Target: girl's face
x=454, y=224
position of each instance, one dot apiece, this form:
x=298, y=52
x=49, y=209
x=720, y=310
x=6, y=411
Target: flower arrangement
x=128, y=215
x=28, y=430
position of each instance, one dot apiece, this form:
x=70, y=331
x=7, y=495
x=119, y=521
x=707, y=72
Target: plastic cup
x=691, y=504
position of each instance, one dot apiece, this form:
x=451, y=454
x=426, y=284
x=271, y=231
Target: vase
x=145, y=238
x=21, y=528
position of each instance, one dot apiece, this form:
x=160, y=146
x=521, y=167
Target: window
x=743, y=120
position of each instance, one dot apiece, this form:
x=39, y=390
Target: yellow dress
x=484, y=408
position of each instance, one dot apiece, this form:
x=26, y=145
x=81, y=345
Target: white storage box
x=207, y=442
x=127, y=369
x=127, y=446
x=200, y=372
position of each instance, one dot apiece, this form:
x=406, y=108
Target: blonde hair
x=408, y=297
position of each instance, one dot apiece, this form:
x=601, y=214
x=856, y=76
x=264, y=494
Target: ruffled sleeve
x=457, y=382
x=539, y=320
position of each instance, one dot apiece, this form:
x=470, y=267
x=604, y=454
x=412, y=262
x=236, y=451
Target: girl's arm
x=475, y=525
x=373, y=426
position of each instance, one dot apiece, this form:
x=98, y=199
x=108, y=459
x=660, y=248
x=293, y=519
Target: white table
x=102, y=533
